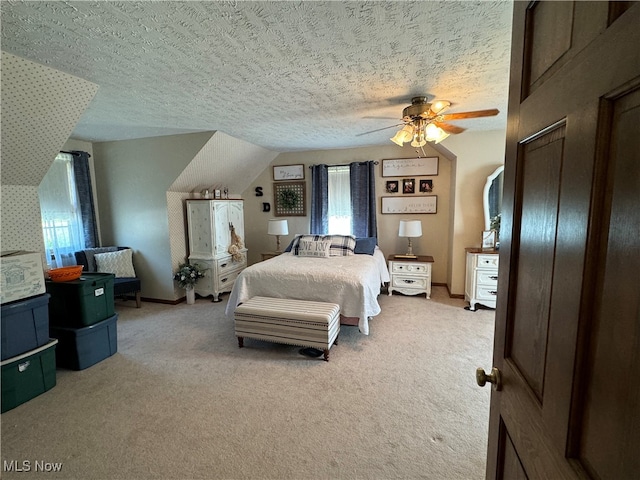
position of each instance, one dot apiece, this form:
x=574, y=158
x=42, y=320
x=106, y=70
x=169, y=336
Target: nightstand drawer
x=488, y=261
x=406, y=267
x=486, y=293
x=487, y=278
x=410, y=281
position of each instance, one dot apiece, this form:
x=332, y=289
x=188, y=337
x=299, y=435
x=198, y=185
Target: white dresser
x=481, y=284
x=209, y=224
x=411, y=276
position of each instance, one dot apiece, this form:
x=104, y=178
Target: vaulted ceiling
x=285, y=76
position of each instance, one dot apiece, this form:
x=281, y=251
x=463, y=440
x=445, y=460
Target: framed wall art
x=392, y=186
x=426, y=186
x=404, y=205
x=289, y=199
x=288, y=172
x=408, y=185
x=418, y=167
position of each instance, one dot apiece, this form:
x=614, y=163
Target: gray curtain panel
x=85, y=196
x=363, y=199
x=319, y=200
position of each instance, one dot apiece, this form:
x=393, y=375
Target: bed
x=352, y=281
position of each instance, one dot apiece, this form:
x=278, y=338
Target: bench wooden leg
x=326, y=354
x=138, y=302
x=240, y=342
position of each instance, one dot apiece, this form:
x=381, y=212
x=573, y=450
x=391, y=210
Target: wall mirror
x=492, y=199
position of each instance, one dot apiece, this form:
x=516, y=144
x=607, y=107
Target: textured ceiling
x=282, y=75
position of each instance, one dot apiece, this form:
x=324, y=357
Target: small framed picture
x=408, y=185
x=488, y=240
x=217, y=194
x=426, y=186
x=392, y=186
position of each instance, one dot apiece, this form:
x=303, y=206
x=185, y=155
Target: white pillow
x=313, y=248
x=119, y=263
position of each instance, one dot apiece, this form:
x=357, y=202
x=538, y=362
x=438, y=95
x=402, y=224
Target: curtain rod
x=76, y=154
x=375, y=162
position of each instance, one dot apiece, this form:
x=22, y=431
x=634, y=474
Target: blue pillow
x=288, y=249
x=365, y=245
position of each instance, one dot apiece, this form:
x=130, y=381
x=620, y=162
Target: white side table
x=411, y=276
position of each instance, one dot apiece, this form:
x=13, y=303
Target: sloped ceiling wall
x=224, y=161
x=40, y=108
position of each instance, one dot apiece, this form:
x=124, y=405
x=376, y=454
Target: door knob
x=495, y=378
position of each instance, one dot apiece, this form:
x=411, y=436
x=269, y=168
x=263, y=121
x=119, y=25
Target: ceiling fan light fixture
x=403, y=135
x=435, y=134
x=440, y=105
x=419, y=140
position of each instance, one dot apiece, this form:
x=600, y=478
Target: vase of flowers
x=187, y=276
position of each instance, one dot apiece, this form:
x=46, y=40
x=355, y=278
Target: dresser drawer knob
x=493, y=292
x=493, y=277
x=224, y=280
x=223, y=265
x=409, y=281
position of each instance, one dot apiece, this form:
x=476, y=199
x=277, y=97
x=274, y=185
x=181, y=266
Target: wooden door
x=567, y=338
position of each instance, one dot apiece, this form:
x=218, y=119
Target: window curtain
x=60, y=211
x=82, y=177
x=363, y=199
x=319, y=200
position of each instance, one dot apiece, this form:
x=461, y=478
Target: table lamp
x=278, y=227
x=409, y=229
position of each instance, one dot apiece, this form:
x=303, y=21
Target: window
x=61, y=215
x=339, y=199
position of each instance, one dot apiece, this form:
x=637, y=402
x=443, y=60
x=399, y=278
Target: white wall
x=133, y=177
x=477, y=156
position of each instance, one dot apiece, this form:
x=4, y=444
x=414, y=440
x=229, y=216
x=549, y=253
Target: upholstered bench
x=293, y=322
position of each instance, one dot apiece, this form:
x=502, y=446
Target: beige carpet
x=180, y=400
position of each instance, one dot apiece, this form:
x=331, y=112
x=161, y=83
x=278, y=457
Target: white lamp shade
x=410, y=228
x=278, y=227
x=403, y=135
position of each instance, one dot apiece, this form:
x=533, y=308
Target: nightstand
x=411, y=276
x=268, y=255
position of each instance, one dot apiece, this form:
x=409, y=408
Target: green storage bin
x=28, y=375
x=82, y=302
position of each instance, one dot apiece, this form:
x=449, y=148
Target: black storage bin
x=28, y=375
x=80, y=348
x=24, y=325
x=82, y=302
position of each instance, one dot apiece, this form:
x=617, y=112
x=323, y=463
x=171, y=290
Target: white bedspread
x=353, y=282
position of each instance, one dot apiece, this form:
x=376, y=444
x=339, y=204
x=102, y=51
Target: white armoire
x=209, y=229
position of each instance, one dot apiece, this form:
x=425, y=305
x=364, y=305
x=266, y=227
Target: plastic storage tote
x=24, y=326
x=82, y=302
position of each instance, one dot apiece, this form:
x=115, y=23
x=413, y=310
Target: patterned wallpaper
x=224, y=161
x=20, y=219
x=40, y=108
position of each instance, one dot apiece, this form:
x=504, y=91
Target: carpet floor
x=180, y=400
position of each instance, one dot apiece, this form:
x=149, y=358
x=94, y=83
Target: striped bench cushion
x=294, y=322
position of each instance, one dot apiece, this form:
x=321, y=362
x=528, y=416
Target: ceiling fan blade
x=384, y=118
x=379, y=129
x=447, y=127
x=475, y=114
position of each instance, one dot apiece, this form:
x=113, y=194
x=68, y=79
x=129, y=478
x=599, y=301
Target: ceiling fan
x=423, y=122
